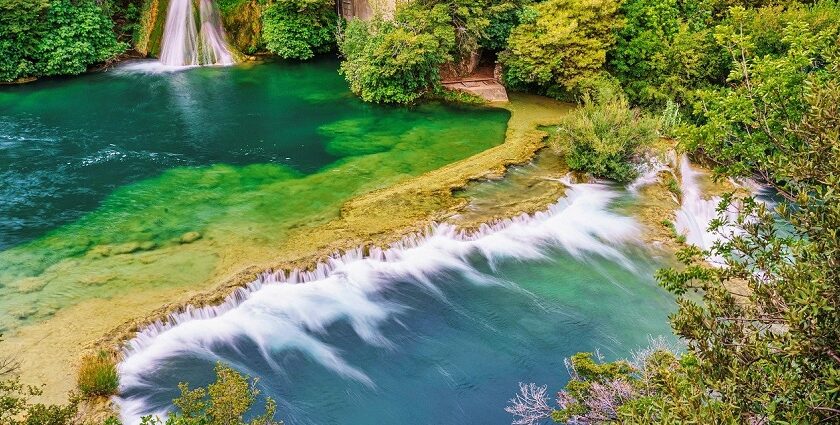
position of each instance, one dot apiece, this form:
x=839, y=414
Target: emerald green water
x=101, y=176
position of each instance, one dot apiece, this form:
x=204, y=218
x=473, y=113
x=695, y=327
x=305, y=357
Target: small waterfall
x=188, y=44
x=695, y=213
x=280, y=313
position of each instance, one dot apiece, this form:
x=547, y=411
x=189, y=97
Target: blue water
x=448, y=357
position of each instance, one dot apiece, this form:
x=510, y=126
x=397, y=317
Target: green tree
x=79, y=35
x=771, y=354
x=60, y=37
x=20, y=22
x=224, y=402
x=397, y=61
x=504, y=17
x=744, y=129
x=298, y=29
x=559, y=45
x=660, y=55
x=763, y=332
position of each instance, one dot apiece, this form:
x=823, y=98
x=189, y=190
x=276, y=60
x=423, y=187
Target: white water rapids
x=187, y=44
x=695, y=213
x=279, y=313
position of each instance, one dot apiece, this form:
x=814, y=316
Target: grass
x=674, y=187
x=680, y=238
x=98, y=375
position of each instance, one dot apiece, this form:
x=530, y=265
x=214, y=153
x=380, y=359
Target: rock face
x=482, y=81
x=366, y=9
x=243, y=24
x=488, y=89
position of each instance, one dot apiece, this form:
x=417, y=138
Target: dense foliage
x=298, y=29
x=397, y=61
x=771, y=354
x=763, y=331
x=602, y=137
x=663, y=51
x=779, y=57
x=41, y=38
x=559, y=45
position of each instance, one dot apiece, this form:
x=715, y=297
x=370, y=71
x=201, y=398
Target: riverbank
x=49, y=350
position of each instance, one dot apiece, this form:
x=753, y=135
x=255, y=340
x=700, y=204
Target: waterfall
x=188, y=44
x=286, y=311
x=695, y=213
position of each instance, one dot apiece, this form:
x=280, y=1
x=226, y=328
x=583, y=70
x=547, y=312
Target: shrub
x=225, y=401
x=298, y=29
x=504, y=18
x=601, y=138
x=664, y=50
x=59, y=37
x=397, y=61
x=98, y=375
x=16, y=408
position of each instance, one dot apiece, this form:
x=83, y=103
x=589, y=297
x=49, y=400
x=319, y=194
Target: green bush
x=16, y=407
x=663, y=51
x=98, y=375
x=225, y=401
x=56, y=38
x=397, y=61
x=298, y=29
x=601, y=138
x=559, y=44
x=504, y=17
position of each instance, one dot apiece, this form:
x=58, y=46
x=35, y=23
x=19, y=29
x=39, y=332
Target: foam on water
x=279, y=312
x=149, y=66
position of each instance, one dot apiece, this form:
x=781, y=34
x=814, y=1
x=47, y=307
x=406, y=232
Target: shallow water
x=101, y=175
x=439, y=331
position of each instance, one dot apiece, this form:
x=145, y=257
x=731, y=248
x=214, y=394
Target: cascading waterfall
x=695, y=213
x=188, y=44
x=279, y=314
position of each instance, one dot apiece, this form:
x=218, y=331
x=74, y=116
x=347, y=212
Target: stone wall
x=366, y=9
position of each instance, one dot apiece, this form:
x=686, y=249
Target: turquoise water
x=102, y=175
x=437, y=334
x=66, y=144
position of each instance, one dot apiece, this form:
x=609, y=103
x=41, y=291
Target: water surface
x=103, y=175
x=440, y=333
